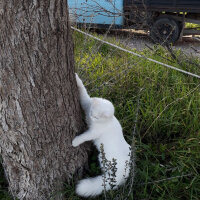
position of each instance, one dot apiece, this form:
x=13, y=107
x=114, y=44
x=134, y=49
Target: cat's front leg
x=84, y=96
x=81, y=139
x=86, y=136
x=76, y=141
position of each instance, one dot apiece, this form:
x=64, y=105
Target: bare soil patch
x=140, y=40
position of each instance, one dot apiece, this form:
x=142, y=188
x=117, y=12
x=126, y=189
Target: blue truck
x=163, y=19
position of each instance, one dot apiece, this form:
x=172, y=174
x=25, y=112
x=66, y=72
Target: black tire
x=165, y=31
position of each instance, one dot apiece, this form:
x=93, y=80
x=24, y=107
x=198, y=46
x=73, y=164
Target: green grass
x=4, y=195
x=168, y=129
x=191, y=25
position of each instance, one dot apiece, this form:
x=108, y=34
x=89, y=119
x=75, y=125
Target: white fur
x=104, y=129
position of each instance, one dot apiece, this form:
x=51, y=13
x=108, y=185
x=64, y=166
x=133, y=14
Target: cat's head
x=101, y=110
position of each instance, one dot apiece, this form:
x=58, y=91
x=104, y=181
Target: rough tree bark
x=39, y=106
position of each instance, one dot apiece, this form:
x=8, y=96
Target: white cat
x=104, y=129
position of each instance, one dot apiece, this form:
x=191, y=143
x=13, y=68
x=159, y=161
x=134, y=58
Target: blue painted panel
x=96, y=11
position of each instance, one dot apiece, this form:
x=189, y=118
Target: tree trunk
x=39, y=107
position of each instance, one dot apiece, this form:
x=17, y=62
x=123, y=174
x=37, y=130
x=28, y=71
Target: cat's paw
x=78, y=80
x=76, y=142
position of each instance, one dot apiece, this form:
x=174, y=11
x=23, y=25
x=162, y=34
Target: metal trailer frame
x=141, y=15
x=179, y=11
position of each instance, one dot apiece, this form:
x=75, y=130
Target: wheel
x=165, y=31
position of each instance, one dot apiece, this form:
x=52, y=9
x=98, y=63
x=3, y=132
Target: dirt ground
x=139, y=40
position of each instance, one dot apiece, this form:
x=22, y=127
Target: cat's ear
x=108, y=114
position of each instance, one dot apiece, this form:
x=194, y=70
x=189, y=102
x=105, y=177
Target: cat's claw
x=75, y=142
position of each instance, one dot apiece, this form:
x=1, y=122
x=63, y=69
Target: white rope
x=135, y=54
x=197, y=38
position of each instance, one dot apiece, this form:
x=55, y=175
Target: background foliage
x=168, y=132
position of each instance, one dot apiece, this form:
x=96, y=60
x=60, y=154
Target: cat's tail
x=90, y=187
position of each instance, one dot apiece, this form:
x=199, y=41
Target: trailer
x=163, y=19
